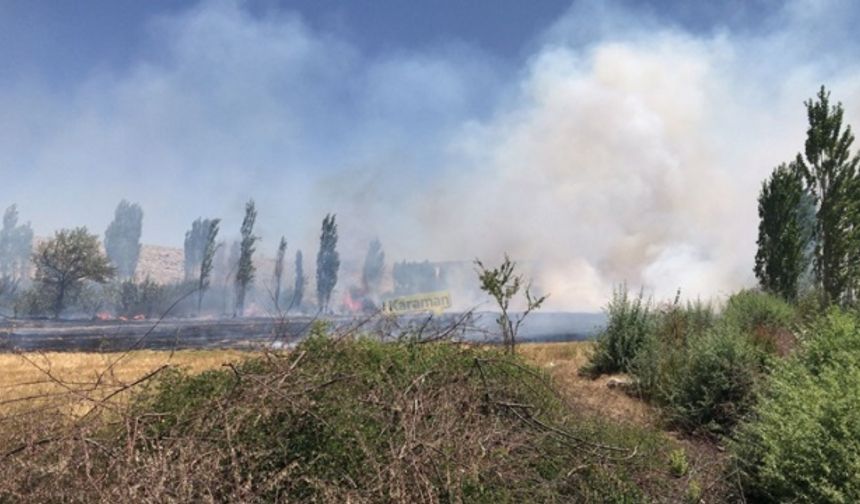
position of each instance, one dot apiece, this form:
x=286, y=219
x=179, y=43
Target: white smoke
x=620, y=149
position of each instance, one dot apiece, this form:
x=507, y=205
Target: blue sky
x=64, y=40
x=611, y=140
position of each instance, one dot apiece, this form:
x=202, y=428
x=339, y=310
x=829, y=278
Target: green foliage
x=328, y=262
x=145, y=298
x=298, y=293
x=830, y=172
x=278, y=275
x=802, y=443
x=702, y=369
x=831, y=341
x=65, y=261
x=35, y=301
x=811, y=305
x=206, y=261
x=245, y=268
x=765, y=318
x=711, y=387
x=503, y=284
x=694, y=492
x=783, y=236
x=678, y=463
x=375, y=420
x=751, y=310
x=122, y=238
x=629, y=323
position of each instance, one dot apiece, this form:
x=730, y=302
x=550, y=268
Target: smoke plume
x=619, y=148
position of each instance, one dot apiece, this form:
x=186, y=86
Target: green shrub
x=629, y=322
x=678, y=463
x=811, y=305
x=752, y=310
x=802, y=443
x=665, y=351
x=712, y=385
x=701, y=370
x=832, y=340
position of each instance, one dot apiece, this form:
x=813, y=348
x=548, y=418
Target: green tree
x=830, y=172
x=374, y=264
x=783, y=236
x=299, y=286
x=65, y=261
x=245, y=268
x=503, y=284
x=207, y=261
x=279, y=272
x=122, y=238
x=328, y=262
x=140, y=298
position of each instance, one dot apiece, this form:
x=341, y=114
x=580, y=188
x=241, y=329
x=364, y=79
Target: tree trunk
x=58, y=302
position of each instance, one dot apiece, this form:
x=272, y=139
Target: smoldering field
x=618, y=147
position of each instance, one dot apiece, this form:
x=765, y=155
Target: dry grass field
x=70, y=386
x=67, y=379
x=563, y=361
x=70, y=380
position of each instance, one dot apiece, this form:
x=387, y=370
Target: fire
x=352, y=300
x=103, y=316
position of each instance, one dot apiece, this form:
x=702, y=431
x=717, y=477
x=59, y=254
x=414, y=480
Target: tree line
x=73, y=270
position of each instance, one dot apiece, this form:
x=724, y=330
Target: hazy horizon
x=609, y=141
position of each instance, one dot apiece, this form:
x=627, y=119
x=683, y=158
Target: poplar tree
x=783, y=233
x=299, y=286
x=830, y=172
x=196, y=240
x=245, y=268
x=328, y=262
x=122, y=238
x=207, y=261
x=279, y=272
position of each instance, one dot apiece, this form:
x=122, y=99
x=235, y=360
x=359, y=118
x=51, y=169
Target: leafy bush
x=140, y=298
x=629, y=322
x=765, y=318
x=700, y=369
x=831, y=341
x=713, y=386
x=802, y=443
x=664, y=351
x=811, y=305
